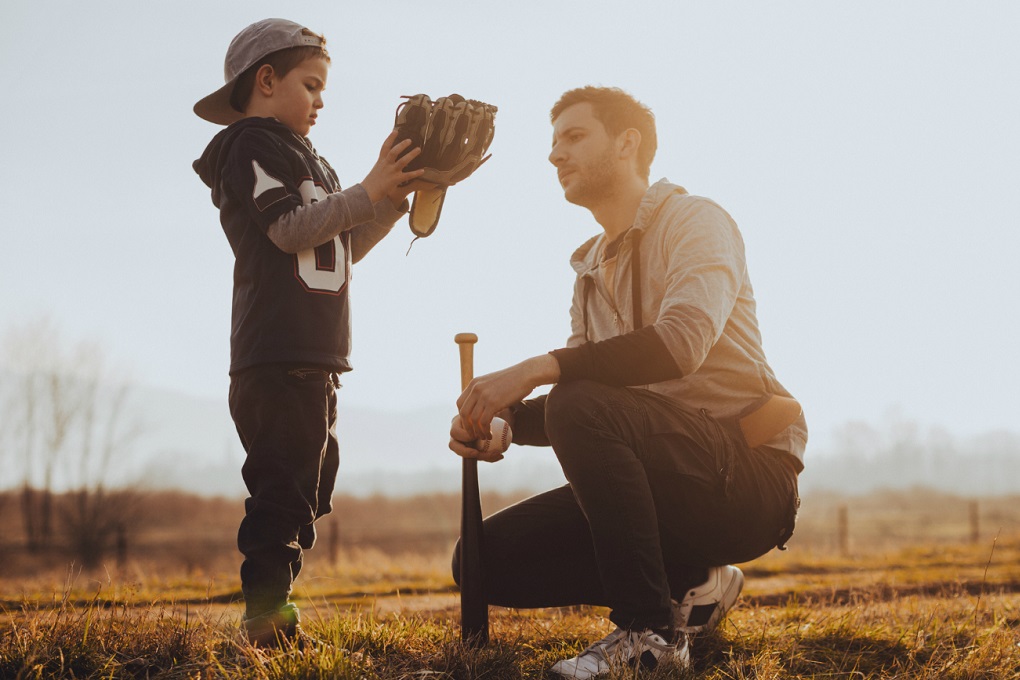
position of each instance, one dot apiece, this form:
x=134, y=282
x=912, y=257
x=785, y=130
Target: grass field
x=934, y=608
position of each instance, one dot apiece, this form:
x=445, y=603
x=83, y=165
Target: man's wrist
x=509, y=414
x=543, y=369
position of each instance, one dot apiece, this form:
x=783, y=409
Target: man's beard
x=596, y=182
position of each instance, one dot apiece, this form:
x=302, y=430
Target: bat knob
x=465, y=338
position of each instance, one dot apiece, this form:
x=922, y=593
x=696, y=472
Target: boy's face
x=297, y=97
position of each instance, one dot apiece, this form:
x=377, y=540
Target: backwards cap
x=246, y=49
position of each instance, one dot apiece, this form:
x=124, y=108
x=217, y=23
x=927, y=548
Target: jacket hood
x=210, y=165
x=584, y=258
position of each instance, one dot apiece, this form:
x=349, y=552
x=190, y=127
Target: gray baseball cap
x=246, y=49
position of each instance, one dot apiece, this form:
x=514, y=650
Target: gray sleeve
x=365, y=236
x=312, y=225
x=705, y=268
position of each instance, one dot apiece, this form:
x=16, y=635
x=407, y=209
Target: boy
x=294, y=235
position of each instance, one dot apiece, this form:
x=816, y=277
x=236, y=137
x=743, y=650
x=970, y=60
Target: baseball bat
x=474, y=610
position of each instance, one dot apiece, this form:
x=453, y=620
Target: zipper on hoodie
x=592, y=276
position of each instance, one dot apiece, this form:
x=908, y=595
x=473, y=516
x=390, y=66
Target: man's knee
x=572, y=405
x=583, y=409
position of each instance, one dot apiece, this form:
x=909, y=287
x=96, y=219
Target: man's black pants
x=286, y=418
x=656, y=495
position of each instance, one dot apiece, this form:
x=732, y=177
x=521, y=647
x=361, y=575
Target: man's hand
x=487, y=395
x=460, y=443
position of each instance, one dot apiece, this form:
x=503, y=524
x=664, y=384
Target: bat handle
x=466, y=343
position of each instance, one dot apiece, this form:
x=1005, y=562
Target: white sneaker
x=624, y=647
x=704, y=606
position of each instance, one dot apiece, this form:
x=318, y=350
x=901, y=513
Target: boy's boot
x=273, y=628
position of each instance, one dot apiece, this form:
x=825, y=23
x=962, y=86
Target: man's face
x=584, y=156
x=297, y=97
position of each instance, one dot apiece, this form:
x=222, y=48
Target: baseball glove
x=454, y=133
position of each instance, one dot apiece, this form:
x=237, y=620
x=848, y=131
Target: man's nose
x=556, y=156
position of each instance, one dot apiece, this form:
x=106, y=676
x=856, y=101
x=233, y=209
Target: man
x=680, y=447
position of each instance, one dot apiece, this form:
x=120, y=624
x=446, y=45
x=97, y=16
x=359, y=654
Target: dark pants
x=286, y=418
x=656, y=495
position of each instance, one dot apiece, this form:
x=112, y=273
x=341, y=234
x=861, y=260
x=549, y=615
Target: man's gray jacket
x=696, y=293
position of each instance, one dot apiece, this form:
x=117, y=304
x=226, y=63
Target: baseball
x=501, y=438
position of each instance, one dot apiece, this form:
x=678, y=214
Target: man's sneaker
x=704, y=606
x=273, y=628
x=622, y=647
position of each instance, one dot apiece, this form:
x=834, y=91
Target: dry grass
x=950, y=612
x=906, y=638
x=911, y=598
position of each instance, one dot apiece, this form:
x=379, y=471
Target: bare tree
x=39, y=427
x=67, y=424
x=94, y=515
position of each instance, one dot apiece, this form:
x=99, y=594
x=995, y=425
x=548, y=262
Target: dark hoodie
x=291, y=308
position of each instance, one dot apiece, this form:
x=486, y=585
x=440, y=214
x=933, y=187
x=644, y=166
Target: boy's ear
x=265, y=79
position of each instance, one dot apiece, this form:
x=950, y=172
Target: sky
x=869, y=152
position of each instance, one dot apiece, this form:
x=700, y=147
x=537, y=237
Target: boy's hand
x=402, y=191
x=388, y=172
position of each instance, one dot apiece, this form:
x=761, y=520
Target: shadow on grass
x=830, y=654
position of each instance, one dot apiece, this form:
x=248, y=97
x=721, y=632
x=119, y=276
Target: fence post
x=975, y=523
x=844, y=531
x=122, y=546
x=334, y=541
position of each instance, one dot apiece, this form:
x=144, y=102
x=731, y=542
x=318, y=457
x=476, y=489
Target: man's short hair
x=283, y=62
x=617, y=111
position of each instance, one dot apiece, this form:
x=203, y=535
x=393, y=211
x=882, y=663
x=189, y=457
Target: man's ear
x=265, y=79
x=628, y=143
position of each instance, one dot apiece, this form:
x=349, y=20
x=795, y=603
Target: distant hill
x=902, y=457
x=189, y=443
